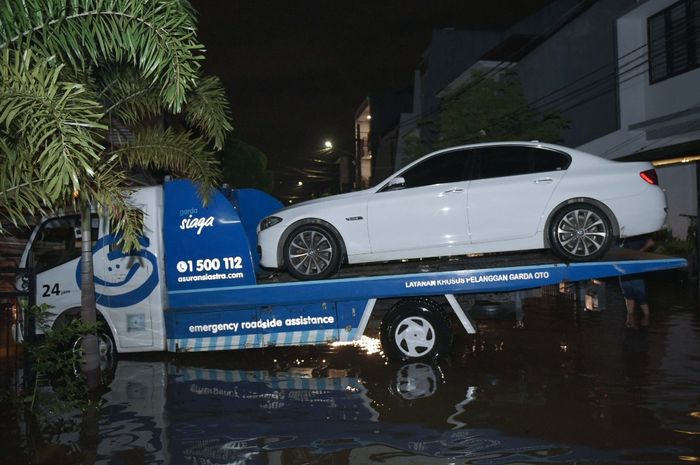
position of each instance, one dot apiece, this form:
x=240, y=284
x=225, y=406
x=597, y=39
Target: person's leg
x=630, y=304
x=645, y=314
x=629, y=293
x=643, y=304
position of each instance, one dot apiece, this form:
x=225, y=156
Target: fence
x=15, y=322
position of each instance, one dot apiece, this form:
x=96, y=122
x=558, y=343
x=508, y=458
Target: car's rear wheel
x=580, y=232
x=312, y=252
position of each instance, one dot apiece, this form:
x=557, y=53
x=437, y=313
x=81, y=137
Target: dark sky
x=296, y=71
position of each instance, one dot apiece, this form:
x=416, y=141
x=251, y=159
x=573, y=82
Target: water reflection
x=573, y=387
x=166, y=413
x=204, y=415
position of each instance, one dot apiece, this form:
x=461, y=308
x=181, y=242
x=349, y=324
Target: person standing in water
x=633, y=286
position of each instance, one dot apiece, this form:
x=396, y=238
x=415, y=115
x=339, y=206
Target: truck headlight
x=269, y=221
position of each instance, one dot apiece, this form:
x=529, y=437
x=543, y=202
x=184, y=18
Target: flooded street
x=570, y=387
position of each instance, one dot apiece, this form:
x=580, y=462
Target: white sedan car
x=494, y=197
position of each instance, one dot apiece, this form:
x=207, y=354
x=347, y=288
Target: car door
x=428, y=210
x=511, y=188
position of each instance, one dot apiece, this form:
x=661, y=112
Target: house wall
x=679, y=183
x=654, y=116
x=640, y=100
x=451, y=52
x=577, y=66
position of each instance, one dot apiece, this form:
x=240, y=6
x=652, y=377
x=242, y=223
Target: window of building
x=674, y=40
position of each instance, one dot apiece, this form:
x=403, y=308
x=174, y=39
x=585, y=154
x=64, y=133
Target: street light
x=347, y=164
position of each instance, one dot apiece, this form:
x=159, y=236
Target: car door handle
x=543, y=180
x=456, y=190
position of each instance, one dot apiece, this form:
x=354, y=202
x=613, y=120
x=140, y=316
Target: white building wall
x=681, y=201
x=645, y=108
x=640, y=100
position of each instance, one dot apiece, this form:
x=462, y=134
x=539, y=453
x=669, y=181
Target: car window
x=496, y=162
x=440, y=169
x=548, y=160
x=513, y=160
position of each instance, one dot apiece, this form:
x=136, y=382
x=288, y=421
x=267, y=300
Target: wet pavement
x=571, y=387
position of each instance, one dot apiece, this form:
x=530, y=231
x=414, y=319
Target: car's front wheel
x=312, y=252
x=580, y=232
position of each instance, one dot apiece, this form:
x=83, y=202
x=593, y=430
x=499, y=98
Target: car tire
x=580, y=232
x=415, y=330
x=311, y=252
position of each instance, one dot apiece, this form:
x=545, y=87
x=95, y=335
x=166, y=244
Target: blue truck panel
x=206, y=246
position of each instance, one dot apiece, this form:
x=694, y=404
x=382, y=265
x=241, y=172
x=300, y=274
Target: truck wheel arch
x=72, y=313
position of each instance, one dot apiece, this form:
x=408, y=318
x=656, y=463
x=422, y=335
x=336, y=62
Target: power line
x=607, y=82
x=558, y=24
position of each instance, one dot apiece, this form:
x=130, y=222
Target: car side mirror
x=396, y=183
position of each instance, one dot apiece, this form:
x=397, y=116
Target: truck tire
x=107, y=350
x=415, y=330
x=415, y=381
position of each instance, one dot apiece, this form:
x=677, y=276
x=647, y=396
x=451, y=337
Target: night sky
x=296, y=71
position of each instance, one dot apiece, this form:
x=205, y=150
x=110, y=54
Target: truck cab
x=129, y=297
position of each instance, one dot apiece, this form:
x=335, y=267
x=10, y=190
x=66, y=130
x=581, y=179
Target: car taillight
x=650, y=177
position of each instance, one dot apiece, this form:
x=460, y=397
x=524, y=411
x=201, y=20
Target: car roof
x=579, y=158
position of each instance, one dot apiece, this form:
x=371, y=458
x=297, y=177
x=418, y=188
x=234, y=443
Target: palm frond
x=178, y=152
x=109, y=193
x=18, y=180
x=158, y=37
x=52, y=123
x=127, y=96
x=208, y=110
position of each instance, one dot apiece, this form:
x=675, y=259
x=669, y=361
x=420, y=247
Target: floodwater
x=572, y=386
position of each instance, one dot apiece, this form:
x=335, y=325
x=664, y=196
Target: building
x=376, y=122
x=658, y=77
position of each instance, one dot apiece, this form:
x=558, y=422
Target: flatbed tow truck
x=195, y=285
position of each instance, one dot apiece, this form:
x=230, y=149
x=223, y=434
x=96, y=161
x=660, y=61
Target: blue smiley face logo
x=128, y=273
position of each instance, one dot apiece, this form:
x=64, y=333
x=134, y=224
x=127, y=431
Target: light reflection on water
x=571, y=387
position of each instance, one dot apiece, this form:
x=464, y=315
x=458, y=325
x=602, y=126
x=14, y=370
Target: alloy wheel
x=582, y=232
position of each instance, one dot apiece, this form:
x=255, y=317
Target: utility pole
x=697, y=230
x=358, y=156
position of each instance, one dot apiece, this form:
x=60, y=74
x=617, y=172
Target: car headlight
x=269, y=221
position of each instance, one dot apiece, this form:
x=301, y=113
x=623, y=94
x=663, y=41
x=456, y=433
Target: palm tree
x=90, y=91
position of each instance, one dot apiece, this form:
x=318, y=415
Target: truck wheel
x=415, y=381
x=311, y=252
x=580, y=232
x=415, y=330
x=106, y=348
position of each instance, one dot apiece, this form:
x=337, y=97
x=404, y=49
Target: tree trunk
x=88, y=310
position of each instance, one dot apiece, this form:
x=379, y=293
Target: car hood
x=327, y=200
